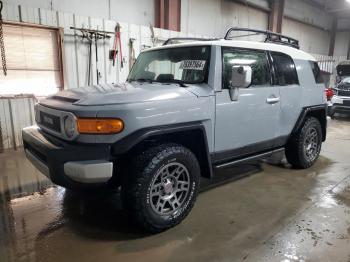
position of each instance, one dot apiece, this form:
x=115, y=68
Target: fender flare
x=311, y=110
x=129, y=142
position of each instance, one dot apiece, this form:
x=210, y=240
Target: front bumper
x=339, y=104
x=67, y=164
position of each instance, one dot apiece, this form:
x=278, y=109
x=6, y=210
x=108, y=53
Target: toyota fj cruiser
x=185, y=110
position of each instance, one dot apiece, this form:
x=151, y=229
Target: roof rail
x=174, y=39
x=271, y=37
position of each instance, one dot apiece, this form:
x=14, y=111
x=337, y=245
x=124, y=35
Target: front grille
x=50, y=121
x=341, y=92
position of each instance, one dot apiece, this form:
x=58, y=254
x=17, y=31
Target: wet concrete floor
x=255, y=212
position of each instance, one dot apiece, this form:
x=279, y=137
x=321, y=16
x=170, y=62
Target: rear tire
x=303, y=148
x=162, y=186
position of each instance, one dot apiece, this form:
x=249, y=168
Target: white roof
x=291, y=51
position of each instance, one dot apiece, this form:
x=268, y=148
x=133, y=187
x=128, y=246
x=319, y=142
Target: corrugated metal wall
x=15, y=114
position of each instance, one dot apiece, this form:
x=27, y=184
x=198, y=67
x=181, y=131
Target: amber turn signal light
x=100, y=125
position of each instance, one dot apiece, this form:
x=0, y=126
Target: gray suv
x=185, y=110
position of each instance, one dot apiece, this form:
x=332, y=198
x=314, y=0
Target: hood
x=123, y=93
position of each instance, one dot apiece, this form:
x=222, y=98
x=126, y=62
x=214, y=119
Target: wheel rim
x=169, y=188
x=311, y=144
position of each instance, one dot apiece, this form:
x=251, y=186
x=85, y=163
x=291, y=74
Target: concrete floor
x=249, y=213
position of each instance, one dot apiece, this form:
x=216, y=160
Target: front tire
x=162, y=186
x=303, y=149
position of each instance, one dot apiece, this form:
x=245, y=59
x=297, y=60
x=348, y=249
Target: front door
x=249, y=124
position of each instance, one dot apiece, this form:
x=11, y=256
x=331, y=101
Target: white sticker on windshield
x=192, y=64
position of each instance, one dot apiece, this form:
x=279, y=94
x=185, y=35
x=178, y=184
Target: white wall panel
x=341, y=43
x=308, y=13
x=214, y=17
x=311, y=39
x=131, y=11
x=15, y=114
x=30, y=15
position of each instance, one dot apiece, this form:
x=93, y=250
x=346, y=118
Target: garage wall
x=135, y=11
x=214, y=17
x=307, y=13
x=341, y=43
x=311, y=39
x=302, y=21
x=16, y=113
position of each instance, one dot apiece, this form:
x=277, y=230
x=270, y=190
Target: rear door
x=250, y=124
x=286, y=80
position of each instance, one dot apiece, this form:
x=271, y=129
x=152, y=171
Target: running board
x=250, y=158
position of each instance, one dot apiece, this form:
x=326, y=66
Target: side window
x=256, y=59
x=285, y=72
x=317, y=72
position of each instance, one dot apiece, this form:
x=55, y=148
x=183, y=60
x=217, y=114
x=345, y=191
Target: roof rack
x=176, y=39
x=271, y=37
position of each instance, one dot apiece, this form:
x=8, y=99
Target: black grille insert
x=50, y=121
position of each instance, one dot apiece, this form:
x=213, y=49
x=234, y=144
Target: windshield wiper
x=175, y=81
x=142, y=80
x=170, y=81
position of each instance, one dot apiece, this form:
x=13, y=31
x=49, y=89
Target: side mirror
x=241, y=78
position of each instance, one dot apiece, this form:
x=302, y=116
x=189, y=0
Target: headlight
x=69, y=126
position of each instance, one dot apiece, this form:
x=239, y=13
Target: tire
x=301, y=152
x=149, y=191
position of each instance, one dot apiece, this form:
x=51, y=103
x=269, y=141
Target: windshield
x=343, y=70
x=346, y=80
x=172, y=65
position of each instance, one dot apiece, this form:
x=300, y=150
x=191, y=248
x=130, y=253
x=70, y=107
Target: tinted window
x=317, y=72
x=343, y=70
x=256, y=59
x=285, y=73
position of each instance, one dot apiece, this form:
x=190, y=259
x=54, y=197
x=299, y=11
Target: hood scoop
x=64, y=99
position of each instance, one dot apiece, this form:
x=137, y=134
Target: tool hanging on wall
x=132, y=56
x=117, y=47
x=153, y=38
x=93, y=36
x=2, y=43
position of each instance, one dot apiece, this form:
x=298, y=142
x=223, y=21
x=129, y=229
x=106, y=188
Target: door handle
x=272, y=100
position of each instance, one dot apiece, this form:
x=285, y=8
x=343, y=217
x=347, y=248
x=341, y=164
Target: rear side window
x=285, y=72
x=254, y=58
x=317, y=72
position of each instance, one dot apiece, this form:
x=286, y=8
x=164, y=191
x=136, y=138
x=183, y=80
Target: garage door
x=33, y=61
